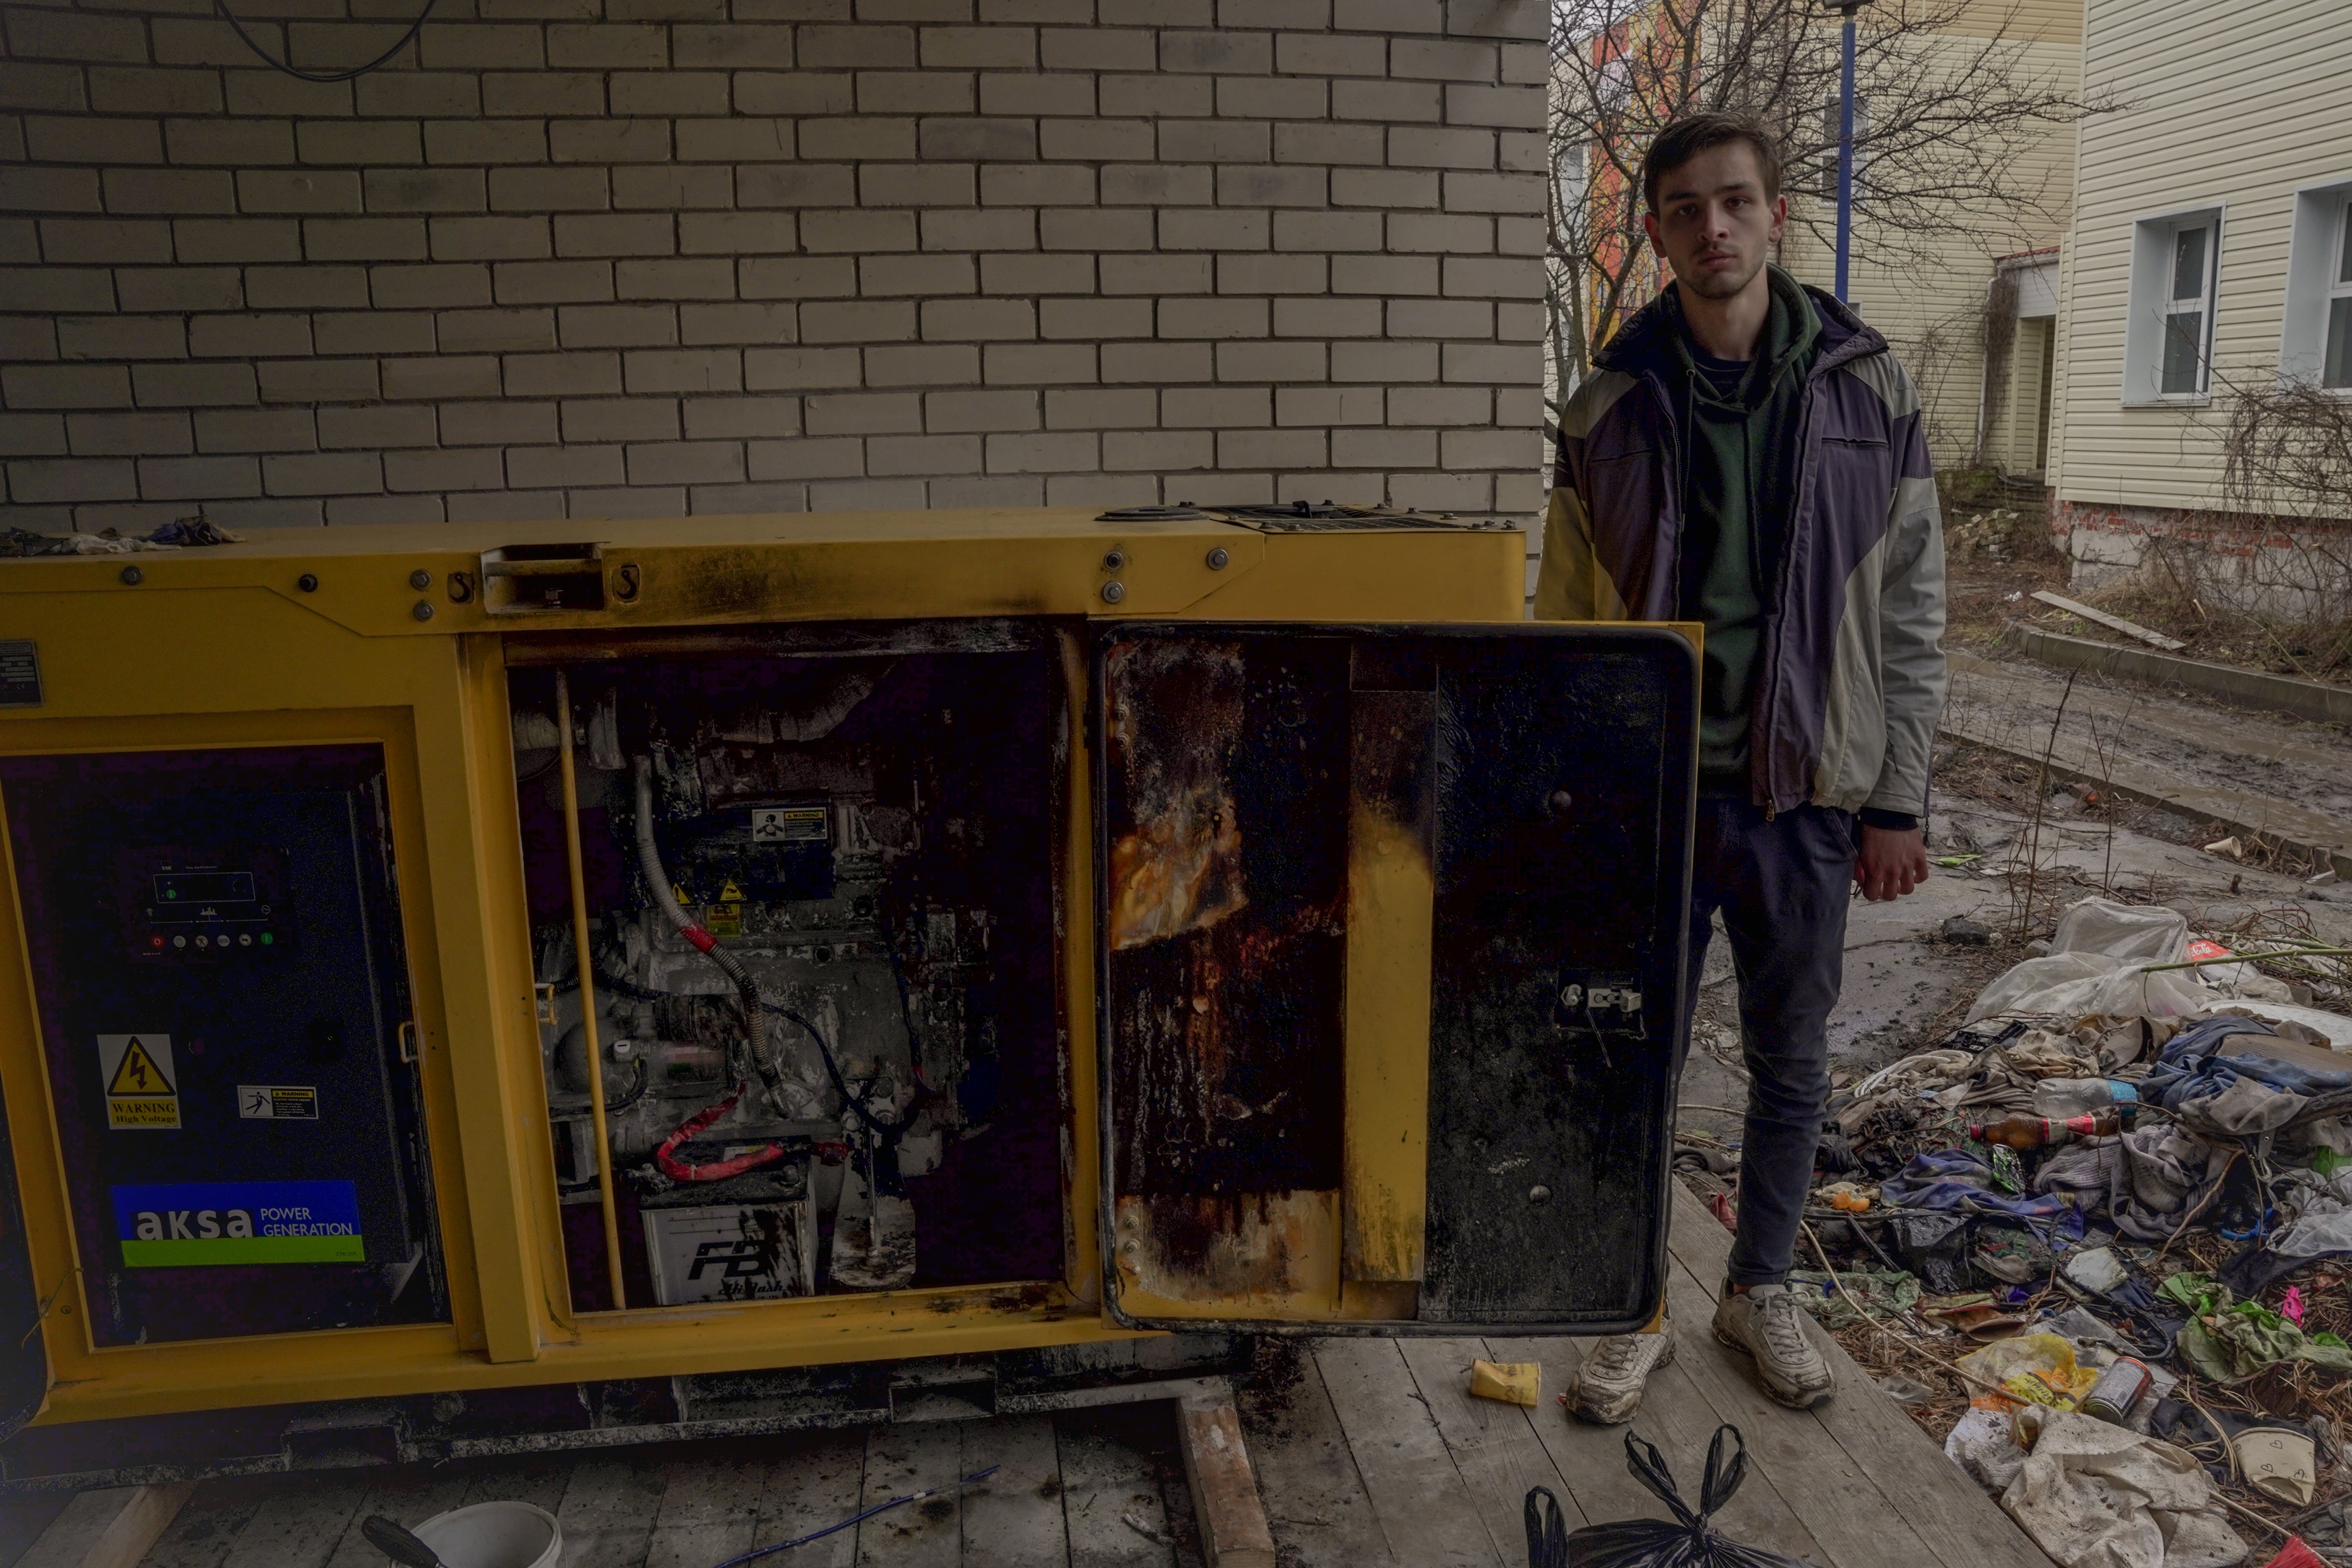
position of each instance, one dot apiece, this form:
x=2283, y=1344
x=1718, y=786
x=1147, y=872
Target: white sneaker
x=1766, y=1323
x=1610, y=1381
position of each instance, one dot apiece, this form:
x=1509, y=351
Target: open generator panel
x=819, y=889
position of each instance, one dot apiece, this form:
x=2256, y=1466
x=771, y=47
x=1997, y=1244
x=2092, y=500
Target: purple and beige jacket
x=1849, y=677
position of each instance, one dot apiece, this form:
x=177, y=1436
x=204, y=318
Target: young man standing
x=1747, y=454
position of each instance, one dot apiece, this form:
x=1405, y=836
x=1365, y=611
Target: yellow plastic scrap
x=1516, y=1382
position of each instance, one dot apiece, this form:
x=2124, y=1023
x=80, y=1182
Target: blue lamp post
x=1845, y=143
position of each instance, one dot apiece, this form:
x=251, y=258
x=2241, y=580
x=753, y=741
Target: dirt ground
x=1998, y=553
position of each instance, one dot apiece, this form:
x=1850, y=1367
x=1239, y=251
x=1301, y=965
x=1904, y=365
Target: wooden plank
x=818, y=1481
x=1316, y=1506
x=1425, y=1510
x=1234, y=1532
x=407, y=1495
x=1496, y=1451
x=208, y=1525
x=1675, y=1416
x=1966, y=1528
x=112, y=1528
x=1856, y=1523
x=2112, y=623
x=710, y=1503
x=609, y=1508
x=1014, y=1519
x=909, y=1458
x=1112, y=1502
x=301, y=1522
x=1184, y=1523
x=23, y=1518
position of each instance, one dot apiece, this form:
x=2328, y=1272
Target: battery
x=756, y=1250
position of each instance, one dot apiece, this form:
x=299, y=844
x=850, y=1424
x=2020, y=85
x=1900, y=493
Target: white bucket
x=494, y=1535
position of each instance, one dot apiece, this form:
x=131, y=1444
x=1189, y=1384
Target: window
x=2167, y=344
x=2184, y=313
x=2336, y=348
x=2316, y=338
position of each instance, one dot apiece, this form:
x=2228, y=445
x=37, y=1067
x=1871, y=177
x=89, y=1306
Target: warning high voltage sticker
x=139, y=1092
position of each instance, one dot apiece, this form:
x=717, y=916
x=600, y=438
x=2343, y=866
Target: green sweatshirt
x=1738, y=465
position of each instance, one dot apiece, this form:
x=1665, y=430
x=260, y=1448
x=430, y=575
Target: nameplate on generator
x=184, y=1224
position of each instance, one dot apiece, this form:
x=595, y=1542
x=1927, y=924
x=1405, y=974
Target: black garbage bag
x=1686, y=1542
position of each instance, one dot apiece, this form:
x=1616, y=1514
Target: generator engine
x=802, y=874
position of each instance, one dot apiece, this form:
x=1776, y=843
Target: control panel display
x=190, y=905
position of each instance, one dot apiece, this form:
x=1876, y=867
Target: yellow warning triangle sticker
x=730, y=893
x=139, y=1074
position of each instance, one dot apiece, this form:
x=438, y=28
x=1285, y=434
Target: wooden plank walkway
x=1369, y=1452
x=1095, y=1489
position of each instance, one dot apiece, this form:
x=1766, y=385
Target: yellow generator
x=478, y=986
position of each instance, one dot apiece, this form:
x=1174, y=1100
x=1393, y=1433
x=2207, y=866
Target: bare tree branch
x=1951, y=121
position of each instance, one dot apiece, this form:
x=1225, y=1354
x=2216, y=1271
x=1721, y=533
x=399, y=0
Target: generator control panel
x=202, y=905
x=243, y=1138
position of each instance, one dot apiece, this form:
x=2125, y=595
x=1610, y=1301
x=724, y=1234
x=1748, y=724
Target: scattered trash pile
x=2100, y=1241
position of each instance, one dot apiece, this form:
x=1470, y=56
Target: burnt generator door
x=216, y=957
x=1392, y=932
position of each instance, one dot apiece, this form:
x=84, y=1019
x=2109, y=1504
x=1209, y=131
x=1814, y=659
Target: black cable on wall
x=299, y=74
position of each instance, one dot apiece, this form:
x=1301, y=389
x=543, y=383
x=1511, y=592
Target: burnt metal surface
x=1225, y=811
x=1553, y=767
x=1304, y=517
x=816, y=639
x=1565, y=779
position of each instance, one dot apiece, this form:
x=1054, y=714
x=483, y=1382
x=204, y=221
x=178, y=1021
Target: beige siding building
x=2207, y=253
x=1931, y=298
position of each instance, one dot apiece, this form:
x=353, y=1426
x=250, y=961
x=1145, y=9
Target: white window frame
x=2151, y=305
x=2314, y=280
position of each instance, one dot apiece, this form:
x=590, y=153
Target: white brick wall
x=605, y=258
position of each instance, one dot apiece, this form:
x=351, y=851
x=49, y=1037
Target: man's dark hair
x=1686, y=138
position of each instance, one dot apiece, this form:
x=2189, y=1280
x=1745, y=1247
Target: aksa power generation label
x=140, y=1092
x=191, y=1223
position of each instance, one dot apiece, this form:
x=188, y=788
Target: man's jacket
x=1850, y=678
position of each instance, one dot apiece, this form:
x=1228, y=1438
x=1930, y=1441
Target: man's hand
x=1890, y=863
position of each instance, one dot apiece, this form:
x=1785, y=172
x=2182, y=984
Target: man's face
x=1713, y=223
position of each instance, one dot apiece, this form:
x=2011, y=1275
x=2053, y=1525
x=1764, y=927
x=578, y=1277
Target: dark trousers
x=1784, y=886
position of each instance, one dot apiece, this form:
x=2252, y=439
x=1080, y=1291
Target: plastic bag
x=1686, y=1543
x=2034, y=1369
x=2077, y=984
x=2096, y=1496
x=2149, y=933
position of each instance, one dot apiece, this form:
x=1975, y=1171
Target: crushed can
x=2119, y=1389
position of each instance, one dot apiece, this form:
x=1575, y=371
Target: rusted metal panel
x=1429, y=880
x=1564, y=800
x=1225, y=816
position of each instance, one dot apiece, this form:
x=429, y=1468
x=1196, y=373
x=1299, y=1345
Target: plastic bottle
x=2021, y=1131
x=2059, y=1098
